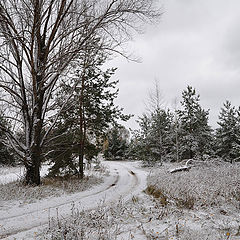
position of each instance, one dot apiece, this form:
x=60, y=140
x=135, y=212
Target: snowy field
x=134, y=203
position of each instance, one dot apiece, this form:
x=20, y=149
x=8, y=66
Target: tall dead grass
x=200, y=187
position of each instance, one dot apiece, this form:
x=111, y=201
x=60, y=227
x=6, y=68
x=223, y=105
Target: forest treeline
x=163, y=135
x=185, y=133
x=57, y=102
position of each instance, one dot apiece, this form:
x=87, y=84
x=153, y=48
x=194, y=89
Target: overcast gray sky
x=196, y=43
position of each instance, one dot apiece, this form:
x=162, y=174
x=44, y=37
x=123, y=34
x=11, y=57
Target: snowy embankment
x=18, y=222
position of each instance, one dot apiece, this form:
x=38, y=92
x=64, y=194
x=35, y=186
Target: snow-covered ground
x=120, y=209
x=18, y=222
x=10, y=174
x=183, y=208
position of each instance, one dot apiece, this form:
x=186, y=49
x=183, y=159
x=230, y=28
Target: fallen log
x=179, y=169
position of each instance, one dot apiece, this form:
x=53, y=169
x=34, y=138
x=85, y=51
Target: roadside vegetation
x=201, y=187
x=197, y=205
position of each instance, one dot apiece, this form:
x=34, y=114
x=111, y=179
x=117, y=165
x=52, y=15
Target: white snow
x=123, y=182
x=11, y=174
x=120, y=200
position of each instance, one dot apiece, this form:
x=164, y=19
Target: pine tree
x=152, y=139
x=152, y=142
x=236, y=144
x=87, y=116
x=174, y=135
x=117, y=139
x=228, y=133
x=160, y=132
x=195, y=133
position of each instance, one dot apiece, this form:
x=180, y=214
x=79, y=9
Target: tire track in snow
x=59, y=205
x=13, y=232
x=124, y=183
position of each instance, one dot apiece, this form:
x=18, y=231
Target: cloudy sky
x=196, y=43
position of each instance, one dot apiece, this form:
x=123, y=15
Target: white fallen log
x=179, y=169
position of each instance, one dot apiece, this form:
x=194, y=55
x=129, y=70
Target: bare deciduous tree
x=39, y=39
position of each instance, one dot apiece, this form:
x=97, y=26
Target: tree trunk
x=80, y=159
x=179, y=169
x=177, y=146
x=32, y=176
x=190, y=153
x=82, y=129
x=82, y=141
x=34, y=155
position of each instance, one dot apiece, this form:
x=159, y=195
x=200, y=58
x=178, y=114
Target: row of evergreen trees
x=163, y=135
x=185, y=133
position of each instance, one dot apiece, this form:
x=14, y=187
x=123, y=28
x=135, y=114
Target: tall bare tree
x=39, y=39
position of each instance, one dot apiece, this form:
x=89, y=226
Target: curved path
x=125, y=180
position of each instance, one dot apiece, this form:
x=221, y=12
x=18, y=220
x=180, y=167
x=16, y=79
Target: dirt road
x=125, y=180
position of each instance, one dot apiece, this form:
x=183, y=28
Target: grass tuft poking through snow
x=100, y=223
x=141, y=218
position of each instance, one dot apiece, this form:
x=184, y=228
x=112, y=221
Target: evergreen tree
x=6, y=156
x=87, y=116
x=117, y=140
x=236, y=144
x=164, y=135
x=174, y=135
x=152, y=139
x=195, y=133
x=160, y=132
x=141, y=143
x=228, y=133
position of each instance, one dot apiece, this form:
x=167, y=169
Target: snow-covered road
x=125, y=180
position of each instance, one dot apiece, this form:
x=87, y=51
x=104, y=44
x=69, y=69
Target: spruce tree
x=228, y=133
x=195, y=133
x=117, y=139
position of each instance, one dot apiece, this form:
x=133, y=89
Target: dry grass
x=71, y=184
x=141, y=218
x=200, y=187
x=101, y=223
x=50, y=187
x=195, y=205
x=157, y=193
